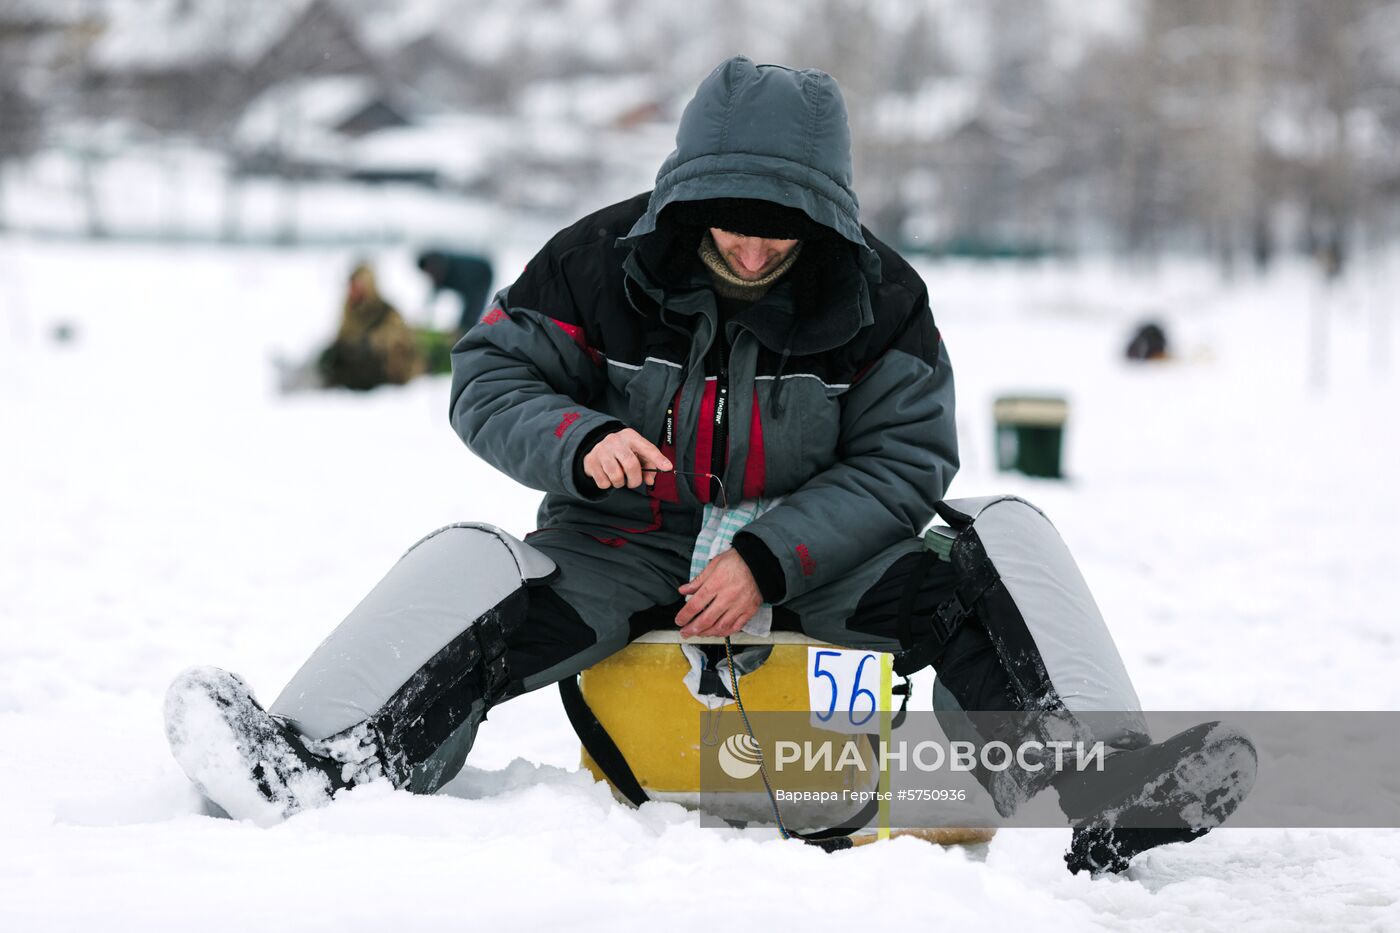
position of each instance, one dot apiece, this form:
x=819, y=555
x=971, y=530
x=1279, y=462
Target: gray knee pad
x=422, y=656
x=1041, y=616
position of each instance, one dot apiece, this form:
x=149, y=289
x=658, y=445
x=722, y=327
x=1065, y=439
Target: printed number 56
x=856, y=689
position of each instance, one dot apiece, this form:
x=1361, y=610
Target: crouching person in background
x=374, y=345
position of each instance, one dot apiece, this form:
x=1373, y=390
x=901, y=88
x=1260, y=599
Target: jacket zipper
x=719, y=443
x=719, y=438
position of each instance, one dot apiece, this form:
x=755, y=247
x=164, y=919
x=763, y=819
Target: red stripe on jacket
x=576, y=334
x=704, y=441
x=756, y=466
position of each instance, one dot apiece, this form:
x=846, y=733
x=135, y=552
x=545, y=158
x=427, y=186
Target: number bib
x=844, y=689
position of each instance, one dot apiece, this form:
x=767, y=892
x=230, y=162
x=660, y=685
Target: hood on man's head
x=766, y=133
x=748, y=217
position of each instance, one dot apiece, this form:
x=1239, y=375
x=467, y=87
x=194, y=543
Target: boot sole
x=1199, y=793
x=1201, y=790
x=234, y=752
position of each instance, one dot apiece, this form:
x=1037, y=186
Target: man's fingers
x=619, y=461
x=731, y=623
x=613, y=470
x=713, y=626
x=700, y=626
x=631, y=468
x=727, y=623
x=705, y=621
x=649, y=455
x=692, y=608
x=695, y=584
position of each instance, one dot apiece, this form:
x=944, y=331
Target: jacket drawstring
x=775, y=406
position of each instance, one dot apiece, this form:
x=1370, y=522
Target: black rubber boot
x=248, y=762
x=1171, y=791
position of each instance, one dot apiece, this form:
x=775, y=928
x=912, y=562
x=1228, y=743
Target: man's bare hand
x=723, y=597
x=618, y=460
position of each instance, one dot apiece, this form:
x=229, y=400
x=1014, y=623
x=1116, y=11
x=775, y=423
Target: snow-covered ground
x=163, y=506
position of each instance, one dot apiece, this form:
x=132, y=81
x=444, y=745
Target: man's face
x=750, y=257
x=359, y=285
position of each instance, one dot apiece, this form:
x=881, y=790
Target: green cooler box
x=1030, y=434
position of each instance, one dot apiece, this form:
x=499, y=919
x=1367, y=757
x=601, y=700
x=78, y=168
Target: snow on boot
x=1171, y=791
x=246, y=761
x=1103, y=850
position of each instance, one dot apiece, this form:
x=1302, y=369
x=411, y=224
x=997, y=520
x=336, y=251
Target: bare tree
x=21, y=124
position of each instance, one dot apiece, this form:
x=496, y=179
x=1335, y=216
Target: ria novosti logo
x=740, y=756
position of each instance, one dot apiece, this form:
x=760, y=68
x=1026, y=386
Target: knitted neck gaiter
x=729, y=285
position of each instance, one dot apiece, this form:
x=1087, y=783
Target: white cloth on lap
x=717, y=533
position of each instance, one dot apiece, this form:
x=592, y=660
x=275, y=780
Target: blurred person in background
x=1148, y=343
x=741, y=412
x=374, y=345
x=466, y=275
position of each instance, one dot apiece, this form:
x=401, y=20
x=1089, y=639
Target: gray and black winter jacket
x=833, y=390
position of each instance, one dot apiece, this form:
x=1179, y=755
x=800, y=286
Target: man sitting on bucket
x=731, y=350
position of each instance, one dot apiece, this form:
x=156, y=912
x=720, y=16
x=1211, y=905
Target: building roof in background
x=452, y=151
x=592, y=100
x=152, y=35
x=161, y=34
x=310, y=112
x=489, y=30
